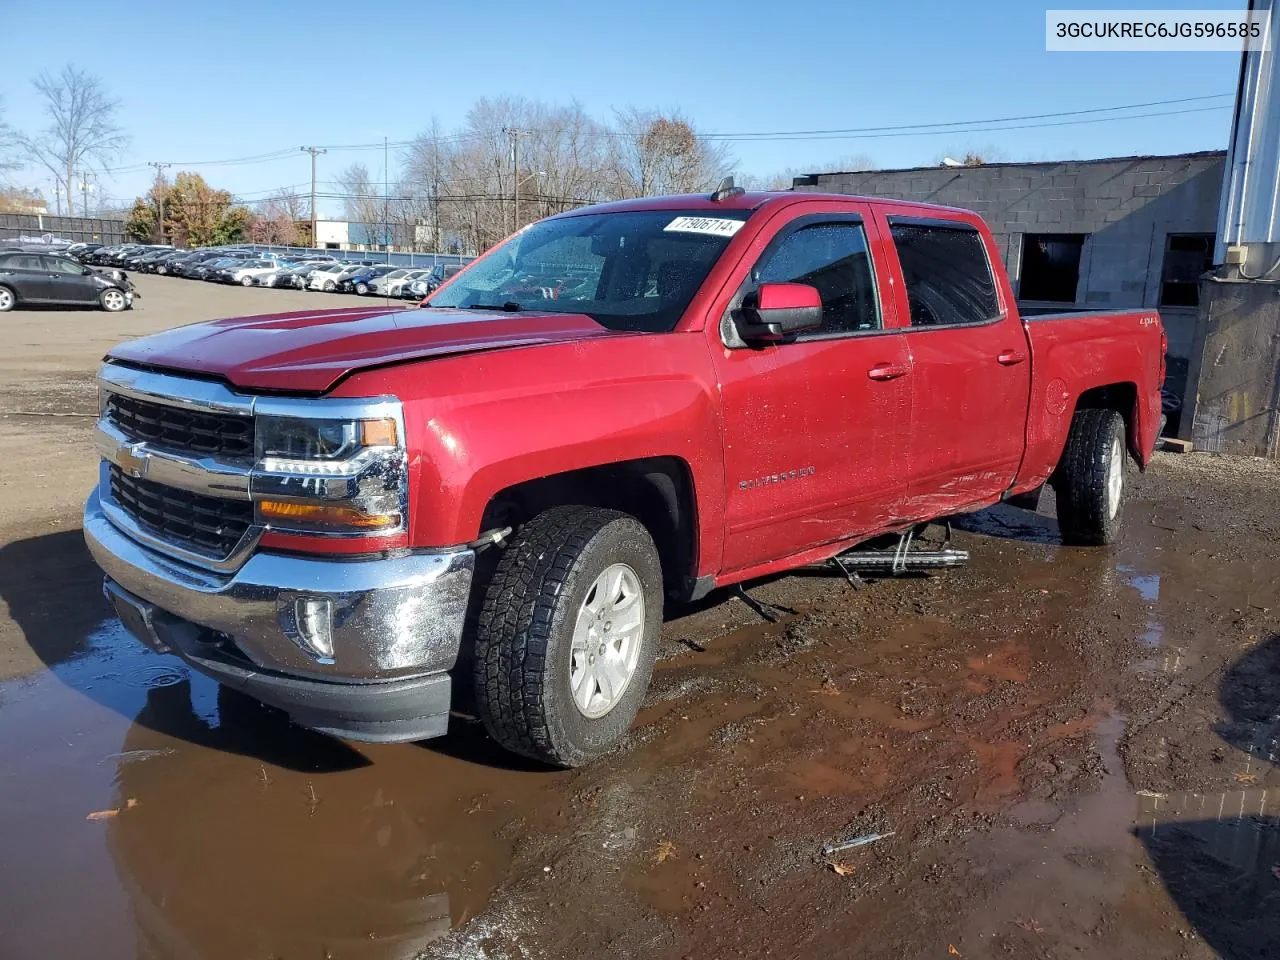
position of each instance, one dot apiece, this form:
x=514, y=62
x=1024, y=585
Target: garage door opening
x=1050, y=266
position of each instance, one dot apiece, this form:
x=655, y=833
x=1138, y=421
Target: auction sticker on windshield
x=716, y=226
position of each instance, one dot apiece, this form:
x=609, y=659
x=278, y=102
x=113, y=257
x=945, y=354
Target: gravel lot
x=1066, y=752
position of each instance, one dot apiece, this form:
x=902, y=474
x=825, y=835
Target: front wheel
x=113, y=301
x=246, y=281
x=328, y=286
x=568, y=633
x=7, y=300
x=362, y=288
x=1089, y=482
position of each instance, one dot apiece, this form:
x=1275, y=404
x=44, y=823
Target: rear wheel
x=113, y=301
x=246, y=281
x=7, y=300
x=362, y=288
x=567, y=634
x=328, y=286
x=1089, y=482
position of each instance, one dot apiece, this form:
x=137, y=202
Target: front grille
x=175, y=428
x=208, y=525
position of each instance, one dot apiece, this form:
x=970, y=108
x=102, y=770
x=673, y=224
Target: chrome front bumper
x=393, y=618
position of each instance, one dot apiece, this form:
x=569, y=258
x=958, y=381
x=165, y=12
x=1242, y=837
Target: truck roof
x=751, y=200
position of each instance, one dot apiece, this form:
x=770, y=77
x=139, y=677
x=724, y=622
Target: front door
x=68, y=283
x=815, y=429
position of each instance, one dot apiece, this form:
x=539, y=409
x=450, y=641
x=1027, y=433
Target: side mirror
x=777, y=311
x=86, y=272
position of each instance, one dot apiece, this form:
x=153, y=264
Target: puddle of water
x=222, y=830
x=1218, y=856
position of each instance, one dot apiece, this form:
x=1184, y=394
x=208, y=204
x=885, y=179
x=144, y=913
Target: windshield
x=627, y=271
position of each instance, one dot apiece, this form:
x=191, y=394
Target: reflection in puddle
x=1217, y=855
x=1147, y=584
x=233, y=832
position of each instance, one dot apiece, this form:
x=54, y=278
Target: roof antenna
x=726, y=190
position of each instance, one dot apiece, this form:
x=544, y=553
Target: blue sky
x=233, y=79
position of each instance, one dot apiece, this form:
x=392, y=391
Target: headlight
x=322, y=475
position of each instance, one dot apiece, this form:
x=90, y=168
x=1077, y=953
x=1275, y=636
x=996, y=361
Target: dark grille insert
x=221, y=434
x=209, y=525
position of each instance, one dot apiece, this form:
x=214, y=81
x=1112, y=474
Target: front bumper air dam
x=395, y=626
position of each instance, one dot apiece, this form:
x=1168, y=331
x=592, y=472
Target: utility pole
x=515, y=133
x=435, y=197
x=314, y=151
x=160, y=168
x=386, y=195
x=84, y=192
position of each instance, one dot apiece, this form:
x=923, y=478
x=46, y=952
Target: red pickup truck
x=345, y=513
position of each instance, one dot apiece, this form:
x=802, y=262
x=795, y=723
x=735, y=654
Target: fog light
x=314, y=617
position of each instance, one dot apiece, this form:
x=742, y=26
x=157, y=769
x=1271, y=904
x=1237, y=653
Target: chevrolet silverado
x=358, y=514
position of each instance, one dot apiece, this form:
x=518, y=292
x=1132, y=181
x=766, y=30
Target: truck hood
x=310, y=351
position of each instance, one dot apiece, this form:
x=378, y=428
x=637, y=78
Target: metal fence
x=71, y=229
x=422, y=260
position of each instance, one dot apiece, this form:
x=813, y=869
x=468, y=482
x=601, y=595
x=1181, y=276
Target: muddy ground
x=1066, y=752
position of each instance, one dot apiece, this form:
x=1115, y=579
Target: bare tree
x=9, y=146
x=656, y=154
x=283, y=204
x=362, y=200
x=82, y=127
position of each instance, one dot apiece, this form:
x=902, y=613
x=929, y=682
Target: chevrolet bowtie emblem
x=133, y=460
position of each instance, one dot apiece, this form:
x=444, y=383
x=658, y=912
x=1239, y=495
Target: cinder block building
x=1119, y=232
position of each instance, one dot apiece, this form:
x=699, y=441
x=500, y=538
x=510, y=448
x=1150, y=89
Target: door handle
x=1011, y=358
x=888, y=371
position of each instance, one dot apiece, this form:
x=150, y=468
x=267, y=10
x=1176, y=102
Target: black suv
x=41, y=278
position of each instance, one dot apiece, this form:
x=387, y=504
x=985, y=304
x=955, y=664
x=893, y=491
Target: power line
x=961, y=123
x=880, y=132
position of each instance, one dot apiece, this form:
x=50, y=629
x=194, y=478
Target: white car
x=326, y=278
x=247, y=273
x=391, y=284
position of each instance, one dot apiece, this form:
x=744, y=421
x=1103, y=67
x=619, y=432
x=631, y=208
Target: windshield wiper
x=510, y=306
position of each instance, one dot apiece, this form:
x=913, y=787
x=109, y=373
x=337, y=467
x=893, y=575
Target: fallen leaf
x=844, y=869
x=1030, y=925
x=102, y=814
x=1246, y=778
x=666, y=851
x=133, y=802
x=952, y=951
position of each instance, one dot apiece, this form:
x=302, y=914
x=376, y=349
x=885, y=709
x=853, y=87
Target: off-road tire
x=1086, y=514
x=525, y=629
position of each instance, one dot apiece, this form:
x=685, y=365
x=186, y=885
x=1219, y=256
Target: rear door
x=815, y=428
x=27, y=274
x=970, y=366
x=67, y=282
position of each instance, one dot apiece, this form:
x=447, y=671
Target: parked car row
x=248, y=268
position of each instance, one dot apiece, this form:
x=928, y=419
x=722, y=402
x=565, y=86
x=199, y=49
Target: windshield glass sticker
x=716, y=226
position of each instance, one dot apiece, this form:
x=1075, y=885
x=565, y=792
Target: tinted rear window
x=948, y=278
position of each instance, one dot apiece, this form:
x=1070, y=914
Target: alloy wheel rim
x=6, y=299
x=607, y=637
x=114, y=300
x=1115, y=478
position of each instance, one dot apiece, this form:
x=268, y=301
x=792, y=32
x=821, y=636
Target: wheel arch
x=658, y=491
x=1121, y=397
